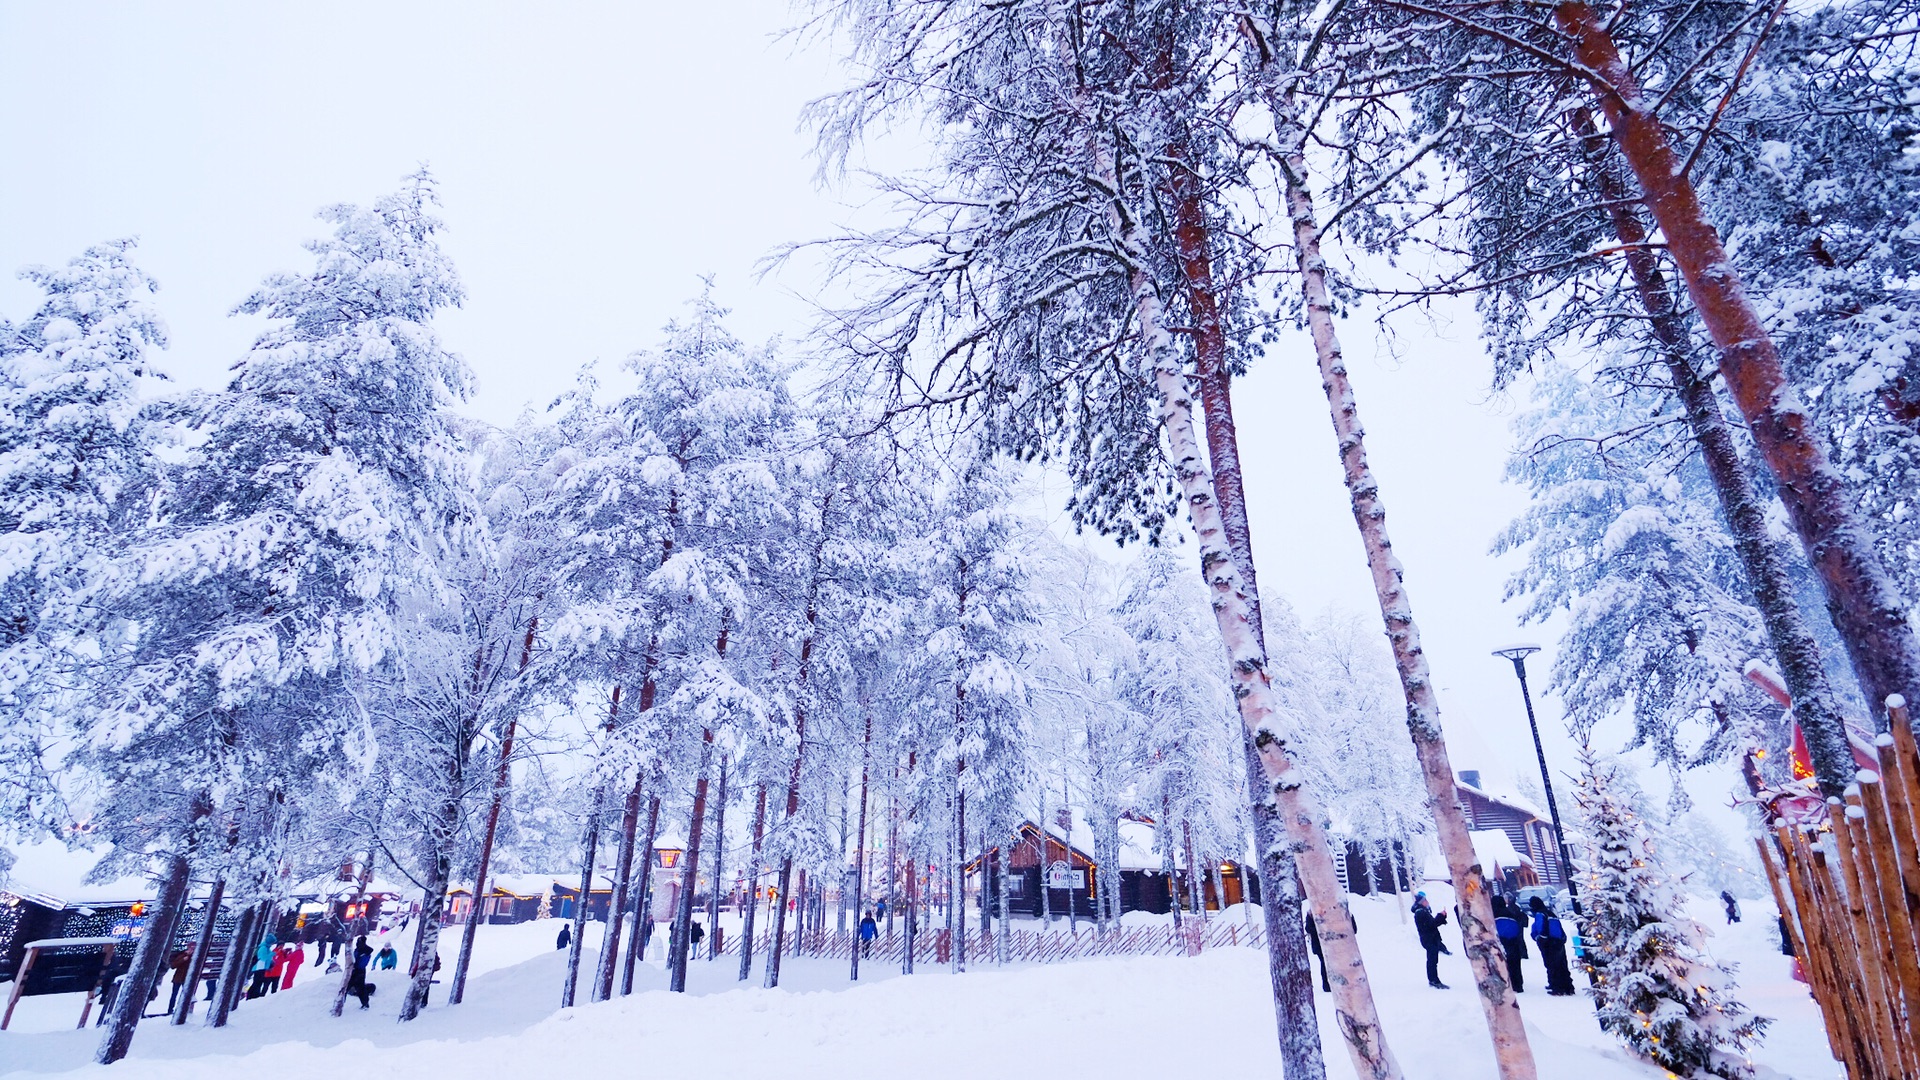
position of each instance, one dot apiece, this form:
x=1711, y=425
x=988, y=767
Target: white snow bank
x=49, y=872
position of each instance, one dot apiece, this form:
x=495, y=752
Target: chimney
x=1471, y=778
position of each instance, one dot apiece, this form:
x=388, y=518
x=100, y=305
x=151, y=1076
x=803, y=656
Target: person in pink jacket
x=295, y=956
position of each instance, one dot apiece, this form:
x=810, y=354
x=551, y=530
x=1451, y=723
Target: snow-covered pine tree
x=323, y=487
x=1655, y=987
x=77, y=469
x=1623, y=535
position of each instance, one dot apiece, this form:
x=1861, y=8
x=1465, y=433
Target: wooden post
x=19, y=984
x=86, y=1010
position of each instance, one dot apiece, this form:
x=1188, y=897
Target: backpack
x=1548, y=928
x=1506, y=928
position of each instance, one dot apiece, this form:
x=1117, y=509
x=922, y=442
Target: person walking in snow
x=1427, y=925
x=695, y=935
x=1551, y=936
x=880, y=909
x=1509, y=927
x=868, y=931
x=388, y=959
x=565, y=937
x=296, y=955
x=357, y=984
x=1733, y=907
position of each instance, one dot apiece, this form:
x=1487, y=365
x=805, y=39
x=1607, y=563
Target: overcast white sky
x=595, y=158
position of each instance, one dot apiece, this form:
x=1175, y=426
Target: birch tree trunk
x=1504, y=1024
x=1497, y=1001
x=1867, y=607
x=1794, y=645
x=1289, y=960
x=433, y=909
x=202, y=946
x=752, y=904
x=590, y=845
x=1232, y=599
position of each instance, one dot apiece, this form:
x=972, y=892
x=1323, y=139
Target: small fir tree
x=1655, y=987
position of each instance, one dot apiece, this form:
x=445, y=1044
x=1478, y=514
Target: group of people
x=274, y=966
x=1512, y=925
x=1548, y=933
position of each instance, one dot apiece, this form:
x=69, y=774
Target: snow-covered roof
x=48, y=872
x=1502, y=797
x=1137, y=848
x=1493, y=847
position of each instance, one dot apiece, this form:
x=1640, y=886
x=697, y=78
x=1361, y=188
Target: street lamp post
x=1518, y=654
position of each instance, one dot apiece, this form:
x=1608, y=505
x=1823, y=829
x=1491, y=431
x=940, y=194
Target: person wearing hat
x=1427, y=923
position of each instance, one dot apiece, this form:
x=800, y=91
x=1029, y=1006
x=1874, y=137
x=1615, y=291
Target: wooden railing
x=1850, y=889
x=1024, y=946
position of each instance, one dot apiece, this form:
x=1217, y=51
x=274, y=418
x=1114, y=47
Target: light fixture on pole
x=1518, y=654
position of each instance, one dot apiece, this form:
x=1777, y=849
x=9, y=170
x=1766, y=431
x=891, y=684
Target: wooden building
x=1533, y=838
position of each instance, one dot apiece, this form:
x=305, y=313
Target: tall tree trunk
x=681, y=942
x=234, y=967
x=1002, y=866
x=1166, y=863
x=621, y=901
x=202, y=946
x=860, y=846
x=801, y=676
x=719, y=867
x=752, y=906
x=149, y=960
x=1232, y=600
x=1289, y=960
x=433, y=910
x=1195, y=875
x=457, y=991
x=1794, y=645
x=590, y=846
x=1867, y=607
x=361, y=882
x=641, y=895
x=1504, y=1023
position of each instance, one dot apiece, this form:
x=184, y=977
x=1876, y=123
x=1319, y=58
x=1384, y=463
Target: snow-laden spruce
x=1655, y=987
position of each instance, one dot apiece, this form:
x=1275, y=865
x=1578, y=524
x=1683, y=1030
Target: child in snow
x=868, y=931
x=388, y=958
x=357, y=983
x=565, y=938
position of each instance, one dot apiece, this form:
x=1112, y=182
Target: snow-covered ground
x=1151, y=1016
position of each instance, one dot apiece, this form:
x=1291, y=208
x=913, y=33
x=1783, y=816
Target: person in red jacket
x=295, y=956
x=274, y=969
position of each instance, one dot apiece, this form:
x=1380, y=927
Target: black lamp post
x=1518, y=654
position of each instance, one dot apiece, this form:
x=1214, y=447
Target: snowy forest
x=789, y=607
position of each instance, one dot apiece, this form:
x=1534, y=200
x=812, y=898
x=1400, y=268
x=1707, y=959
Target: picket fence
x=1023, y=946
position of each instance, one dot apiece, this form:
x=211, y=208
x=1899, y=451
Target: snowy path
x=1152, y=1015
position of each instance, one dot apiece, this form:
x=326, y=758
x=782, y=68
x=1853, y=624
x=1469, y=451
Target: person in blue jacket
x=1551, y=936
x=868, y=931
x=1509, y=927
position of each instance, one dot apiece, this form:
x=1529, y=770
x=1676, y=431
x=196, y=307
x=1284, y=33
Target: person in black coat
x=566, y=936
x=1551, y=936
x=1313, y=942
x=1513, y=940
x=357, y=984
x=1427, y=925
x=1733, y=907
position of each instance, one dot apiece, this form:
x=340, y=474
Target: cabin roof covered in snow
x=1493, y=847
x=50, y=873
x=1503, y=798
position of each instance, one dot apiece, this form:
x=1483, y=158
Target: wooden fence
x=1850, y=888
x=1023, y=946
